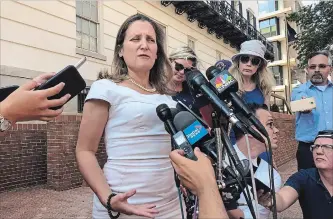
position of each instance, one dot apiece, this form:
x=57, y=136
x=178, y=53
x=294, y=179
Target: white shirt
x=262, y=174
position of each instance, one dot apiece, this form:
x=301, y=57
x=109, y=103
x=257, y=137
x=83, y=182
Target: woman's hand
x=119, y=204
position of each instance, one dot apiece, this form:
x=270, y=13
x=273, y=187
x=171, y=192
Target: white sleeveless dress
x=138, y=148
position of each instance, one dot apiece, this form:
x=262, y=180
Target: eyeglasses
x=256, y=61
x=322, y=66
x=324, y=147
x=180, y=67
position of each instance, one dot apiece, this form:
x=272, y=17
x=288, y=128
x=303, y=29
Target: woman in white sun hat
x=255, y=81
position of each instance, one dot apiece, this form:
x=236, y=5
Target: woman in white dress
x=137, y=179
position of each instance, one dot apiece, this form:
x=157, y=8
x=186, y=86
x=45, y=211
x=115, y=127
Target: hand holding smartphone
x=74, y=83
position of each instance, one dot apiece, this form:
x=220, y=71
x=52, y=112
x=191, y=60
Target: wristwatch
x=4, y=124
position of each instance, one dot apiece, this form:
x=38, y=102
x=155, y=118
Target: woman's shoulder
x=103, y=82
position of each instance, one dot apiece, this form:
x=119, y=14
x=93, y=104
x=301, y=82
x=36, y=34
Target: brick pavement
x=41, y=203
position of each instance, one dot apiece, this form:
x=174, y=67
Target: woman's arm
x=94, y=118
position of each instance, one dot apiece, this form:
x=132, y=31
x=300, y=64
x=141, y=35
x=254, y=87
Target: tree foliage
x=316, y=23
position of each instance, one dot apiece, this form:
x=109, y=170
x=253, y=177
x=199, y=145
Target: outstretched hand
x=119, y=204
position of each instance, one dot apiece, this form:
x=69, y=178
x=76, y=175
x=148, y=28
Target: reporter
x=312, y=187
x=25, y=104
x=199, y=177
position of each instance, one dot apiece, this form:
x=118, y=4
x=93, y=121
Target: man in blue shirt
x=312, y=187
x=309, y=123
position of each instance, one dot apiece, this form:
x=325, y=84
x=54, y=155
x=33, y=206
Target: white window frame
x=98, y=54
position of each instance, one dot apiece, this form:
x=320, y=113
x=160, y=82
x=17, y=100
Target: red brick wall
x=62, y=170
x=23, y=156
x=32, y=154
x=287, y=145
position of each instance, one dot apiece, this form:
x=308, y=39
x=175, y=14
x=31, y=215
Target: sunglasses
x=322, y=66
x=180, y=67
x=256, y=61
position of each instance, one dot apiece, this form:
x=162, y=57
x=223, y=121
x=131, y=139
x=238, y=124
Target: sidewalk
x=41, y=203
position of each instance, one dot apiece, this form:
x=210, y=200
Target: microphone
x=249, y=128
x=174, y=111
x=182, y=107
x=198, y=136
x=164, y=113
x=227, y=86
x=198, y=81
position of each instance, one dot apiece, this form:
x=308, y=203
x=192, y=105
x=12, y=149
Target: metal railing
x=225, y=9
x=285, y=107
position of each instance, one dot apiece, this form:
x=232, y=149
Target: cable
x=252, y=176
x=272, y=178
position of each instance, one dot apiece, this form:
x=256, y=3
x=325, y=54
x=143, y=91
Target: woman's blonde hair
x=161, y=72
x=184, y=52
x=263, y=78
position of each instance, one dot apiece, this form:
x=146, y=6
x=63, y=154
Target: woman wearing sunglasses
x=255, y=81
x=184, y=59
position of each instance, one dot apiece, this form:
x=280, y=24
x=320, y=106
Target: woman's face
x=248, y=64
x=178, y=67
x=140, y=48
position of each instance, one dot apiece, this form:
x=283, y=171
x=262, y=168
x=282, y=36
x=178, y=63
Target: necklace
x=152, y=90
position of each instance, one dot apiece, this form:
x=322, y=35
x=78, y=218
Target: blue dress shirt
x=321, y=118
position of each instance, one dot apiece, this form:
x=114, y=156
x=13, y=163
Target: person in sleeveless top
x=255, y=81
x=137, y=180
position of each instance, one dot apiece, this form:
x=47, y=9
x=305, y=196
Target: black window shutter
x=232, y=4
x=254, y=22
x=248, y=15
x=240, y=8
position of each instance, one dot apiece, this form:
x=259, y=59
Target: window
x=277, y=50
x=251, y=18
x=218, y=55
x=237, y=5
x=87, y=25
x=268, y=6
x=269, y=27
x=278, y=74
x=191, y=43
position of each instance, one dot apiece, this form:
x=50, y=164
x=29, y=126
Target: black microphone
x=227, y=86
x=198, y=81
x=164, y=113
x=198, y=136
x=248, y=126
x=182, y=107
x=174, y=111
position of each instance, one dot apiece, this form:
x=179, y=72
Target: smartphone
x=74, y=83
x=6, y=91
x=303, y=104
